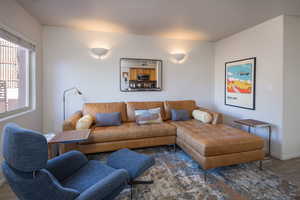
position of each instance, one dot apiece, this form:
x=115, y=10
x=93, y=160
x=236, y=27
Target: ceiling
x=181, y=19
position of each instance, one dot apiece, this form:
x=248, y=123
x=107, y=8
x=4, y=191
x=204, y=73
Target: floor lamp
x=64, y=98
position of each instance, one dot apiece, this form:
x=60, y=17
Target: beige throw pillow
x=202, y=116
x=84, y=122
x=150, y=116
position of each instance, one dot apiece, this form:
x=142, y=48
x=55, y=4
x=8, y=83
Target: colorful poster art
x=240, y=83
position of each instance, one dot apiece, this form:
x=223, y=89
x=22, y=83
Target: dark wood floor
x=288, y=170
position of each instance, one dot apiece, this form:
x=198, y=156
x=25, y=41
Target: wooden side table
x=49, y=137
x=251, y=123
x=73, y=136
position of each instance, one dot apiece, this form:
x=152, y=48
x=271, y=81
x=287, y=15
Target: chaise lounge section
x=219, y=145
x=211, y=145
x=216, y=144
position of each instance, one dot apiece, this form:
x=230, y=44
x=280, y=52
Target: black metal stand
x=172, y=147
x=260, y=165
x=132, y=183
x=205, y=172
x=141, y=182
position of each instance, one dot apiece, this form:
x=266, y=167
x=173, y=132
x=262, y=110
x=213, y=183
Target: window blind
x=15, y=39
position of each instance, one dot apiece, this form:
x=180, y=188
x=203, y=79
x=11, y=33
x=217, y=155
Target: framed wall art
x=240, y=83
x=140, y=75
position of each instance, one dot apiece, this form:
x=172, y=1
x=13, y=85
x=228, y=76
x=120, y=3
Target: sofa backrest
x=132, y=106
x=94, y=108
x=127, y=109
x=188, y=105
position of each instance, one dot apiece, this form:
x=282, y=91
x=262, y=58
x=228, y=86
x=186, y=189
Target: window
x=16, y=58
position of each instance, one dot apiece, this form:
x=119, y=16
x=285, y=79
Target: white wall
x=17, y=20
x=265, y=42
x=291, y=146
x=67, y=63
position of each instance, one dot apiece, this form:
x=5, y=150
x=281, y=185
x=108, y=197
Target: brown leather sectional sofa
x=212, y=145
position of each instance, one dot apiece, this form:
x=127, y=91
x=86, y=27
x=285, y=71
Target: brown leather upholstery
x=94, y=108
x=70, y=124
x=131, y=144
x=212, y=145
x=212, y=140
x=129, y=131
x=189, y=105
x=209, y=162
x=132, y=106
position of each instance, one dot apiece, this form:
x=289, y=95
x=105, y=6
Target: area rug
x=177, y=176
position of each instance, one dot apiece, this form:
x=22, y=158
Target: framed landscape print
x=240, y=83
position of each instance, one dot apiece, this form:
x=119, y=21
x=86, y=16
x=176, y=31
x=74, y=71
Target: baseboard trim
x=290, y=156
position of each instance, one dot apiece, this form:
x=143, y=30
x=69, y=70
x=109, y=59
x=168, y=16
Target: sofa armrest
x=107, y=187
x=217, y=117
x=70, y=124
x=66, y=164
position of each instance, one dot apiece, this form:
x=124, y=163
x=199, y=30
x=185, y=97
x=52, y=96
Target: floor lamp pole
x=64, y=99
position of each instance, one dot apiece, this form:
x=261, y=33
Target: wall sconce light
x=178, y=57
x=99, y=53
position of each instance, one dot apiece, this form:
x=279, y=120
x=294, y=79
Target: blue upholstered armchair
x=69, y=176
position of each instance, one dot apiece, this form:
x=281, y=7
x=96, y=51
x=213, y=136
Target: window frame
x=31, y=75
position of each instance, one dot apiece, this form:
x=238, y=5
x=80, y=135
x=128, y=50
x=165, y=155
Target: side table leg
x=269, y=150
x=61, y=149
x=50, y=151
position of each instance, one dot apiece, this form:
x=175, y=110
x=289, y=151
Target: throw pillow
x=202, y=116
x=84, y=122
x=150, y=116
x=180, y=115
x=108, y=119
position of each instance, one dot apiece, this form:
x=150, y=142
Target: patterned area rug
x=177, y=176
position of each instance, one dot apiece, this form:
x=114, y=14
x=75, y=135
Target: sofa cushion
x=212, y=140
x=150, y=116
x=180, y=115
x=210, y=162
x=84, y=122
x=94, y=108
x=70, y=124
x=188, y=105
x=108, y=119
x=132, y=106
x=202, y=116
x=129, y=131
